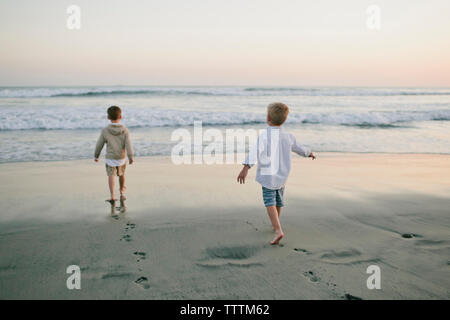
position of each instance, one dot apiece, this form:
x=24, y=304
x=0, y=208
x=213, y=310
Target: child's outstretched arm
x=99, y=146
x=302, y=150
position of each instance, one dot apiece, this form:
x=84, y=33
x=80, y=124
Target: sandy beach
x=191, y=232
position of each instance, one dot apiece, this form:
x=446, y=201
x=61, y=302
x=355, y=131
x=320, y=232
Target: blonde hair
x=278, y=113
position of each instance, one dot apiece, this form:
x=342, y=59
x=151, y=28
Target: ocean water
x=63, y=123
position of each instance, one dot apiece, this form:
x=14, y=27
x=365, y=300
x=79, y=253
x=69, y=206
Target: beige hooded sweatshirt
x=117, y=139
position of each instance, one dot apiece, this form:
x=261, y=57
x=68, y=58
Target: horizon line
x=222, y=86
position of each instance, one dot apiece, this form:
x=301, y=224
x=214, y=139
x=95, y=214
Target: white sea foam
x=13, y=118
x=56, y=123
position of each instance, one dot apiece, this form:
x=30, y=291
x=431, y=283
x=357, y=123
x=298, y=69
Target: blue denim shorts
x=273, y=197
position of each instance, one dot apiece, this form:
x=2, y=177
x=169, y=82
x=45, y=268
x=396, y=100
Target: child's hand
x=313, y=156
x=242, y=175
x=131, y=161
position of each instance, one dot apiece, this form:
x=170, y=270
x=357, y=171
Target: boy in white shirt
x=273, y=154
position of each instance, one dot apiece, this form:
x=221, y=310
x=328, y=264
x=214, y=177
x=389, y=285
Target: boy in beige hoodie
x=118, y=145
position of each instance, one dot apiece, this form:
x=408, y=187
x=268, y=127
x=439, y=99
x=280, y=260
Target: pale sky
x=227, y=42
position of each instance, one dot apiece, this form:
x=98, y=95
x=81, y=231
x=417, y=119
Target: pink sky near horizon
x=201, y=42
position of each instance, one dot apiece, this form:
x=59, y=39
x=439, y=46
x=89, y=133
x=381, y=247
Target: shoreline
x=102, y=158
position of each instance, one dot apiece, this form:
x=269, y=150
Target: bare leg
x=279, y=211
x=112, y=202
x=122, y=191
x=273, y=215
x=111, y=187
x=122, y=184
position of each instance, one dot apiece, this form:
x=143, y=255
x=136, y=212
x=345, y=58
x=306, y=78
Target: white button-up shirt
x=273, y=154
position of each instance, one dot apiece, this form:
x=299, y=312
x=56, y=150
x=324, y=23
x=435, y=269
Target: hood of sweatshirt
x=115, y=129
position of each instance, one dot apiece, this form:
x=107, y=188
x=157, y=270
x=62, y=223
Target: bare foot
x=123, y=208
x=278, y=237
x=112, y=202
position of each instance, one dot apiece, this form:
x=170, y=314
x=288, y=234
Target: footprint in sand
x=302, y=250
x=347, y=256
x=234, y=252
x=348, y=296
x=116, y=275
x=126, y=237
x=341, y=257
x=332, y=285
x=142, y=282
x=240, y=256
x=410, y=235
x=130, y=226
x=140, y=255
x=311, y=275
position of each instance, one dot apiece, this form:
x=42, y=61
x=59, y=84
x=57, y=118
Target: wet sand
x=191, y=232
